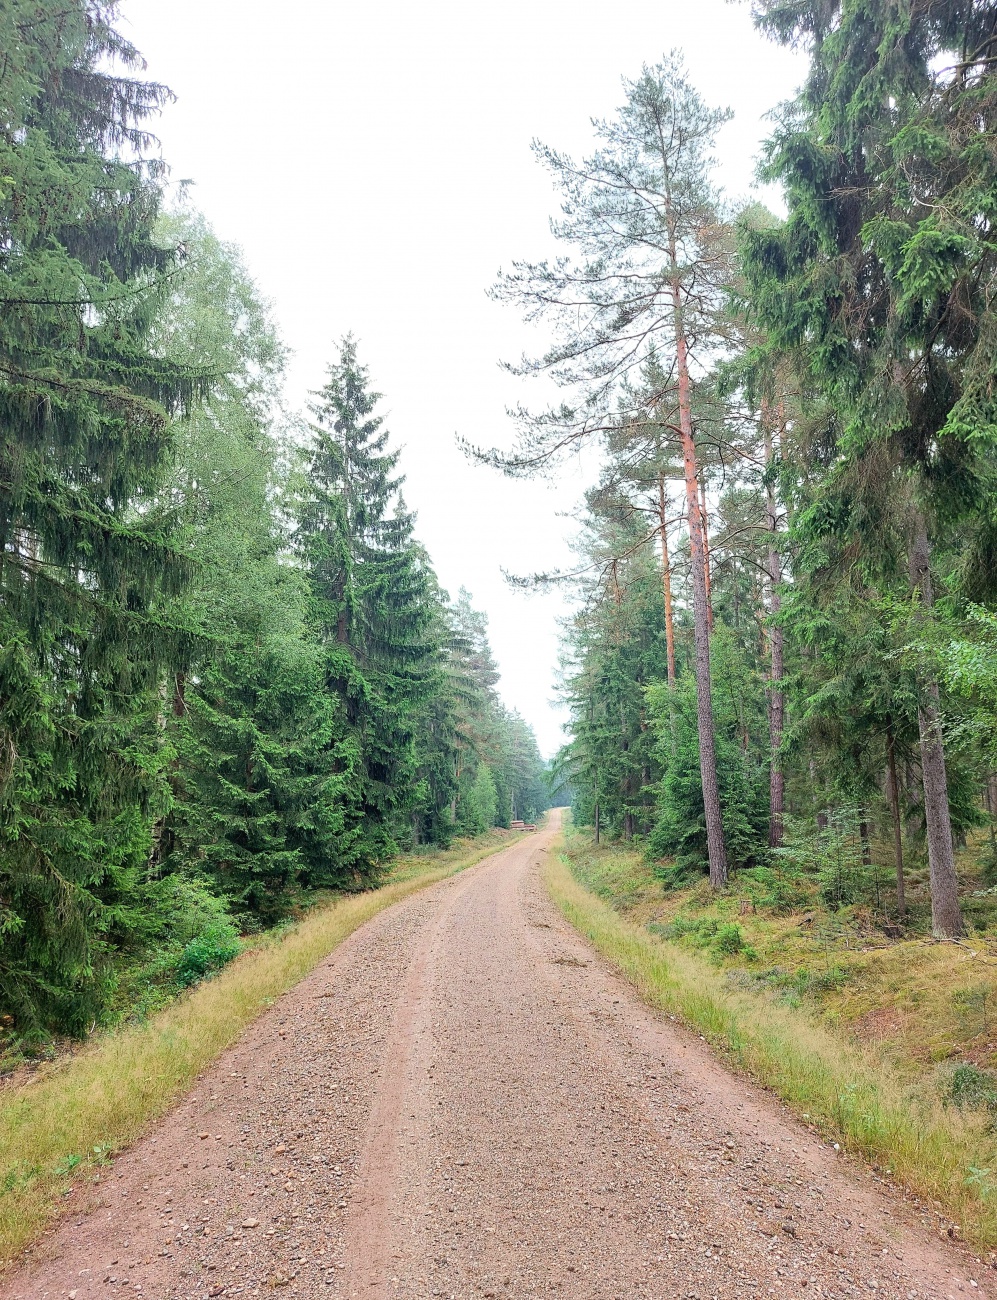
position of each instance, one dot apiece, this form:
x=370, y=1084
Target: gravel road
x=465, y=1102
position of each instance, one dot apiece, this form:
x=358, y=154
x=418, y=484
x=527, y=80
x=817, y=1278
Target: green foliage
x=370, y=605
x=973, y=1089
x=228, y=675
x=723, y=938
x=970, y=664
x=680, y=831
x=207, y=953
x=781, y=888
x=831, y=854
x=729, y=940
x=248, y=713
x=974, y=1005
x=84, y=438
x=481, y=804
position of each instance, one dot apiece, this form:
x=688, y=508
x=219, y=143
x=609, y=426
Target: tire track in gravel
x=463, y=1101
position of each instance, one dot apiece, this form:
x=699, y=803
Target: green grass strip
x=849, y=1095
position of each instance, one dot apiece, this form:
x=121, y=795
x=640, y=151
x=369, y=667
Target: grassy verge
x=931, y=1007
x=73, y=1115
x=854, y=1096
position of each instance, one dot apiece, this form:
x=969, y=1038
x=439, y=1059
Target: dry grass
x=851, y=1095
x=930, y=1006
x=57, y=1127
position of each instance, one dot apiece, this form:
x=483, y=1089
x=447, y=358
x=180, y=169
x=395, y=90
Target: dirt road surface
x=463, y=1101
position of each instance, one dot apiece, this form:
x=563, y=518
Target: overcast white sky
x=373, y=161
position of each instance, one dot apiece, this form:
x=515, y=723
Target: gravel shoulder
x=463, y=1101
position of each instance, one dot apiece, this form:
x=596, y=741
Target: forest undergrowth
x=880, y=1045
x=62, y=1123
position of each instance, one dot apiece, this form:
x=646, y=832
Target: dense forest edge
x=62, y=1123
x=230, y=682
x=781, y=663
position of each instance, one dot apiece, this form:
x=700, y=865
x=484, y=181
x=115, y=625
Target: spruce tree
x=248, y=720
x=84, y=431
x=880, y=283
x=372, y=607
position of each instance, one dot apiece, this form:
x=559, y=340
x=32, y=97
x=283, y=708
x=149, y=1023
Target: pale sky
x=373, y=161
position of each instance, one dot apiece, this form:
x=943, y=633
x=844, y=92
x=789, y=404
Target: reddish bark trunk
x=706, y=554
x=777, y=700
x=666, y=581
x=700, y=604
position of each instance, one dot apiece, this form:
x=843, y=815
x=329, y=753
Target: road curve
x=463, y=1101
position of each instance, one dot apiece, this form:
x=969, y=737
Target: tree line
x=784, y=644
x=228, y=674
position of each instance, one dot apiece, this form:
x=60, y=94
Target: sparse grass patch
x=73, y=1115
x=898, y=1118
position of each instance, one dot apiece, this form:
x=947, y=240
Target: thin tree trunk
x=700, y=602
x=666, y=581
x=456, y=777
x=716, y=848
x=597, y=828
x=822, y=814
x=913, y=800
x=777, y=700
x=893, y=794
x=946, y=914
x=992, y=804
x=864, y=839
x=706, y=554
x=627, y=791
x=179, y=695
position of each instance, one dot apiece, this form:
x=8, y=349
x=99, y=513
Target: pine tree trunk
x=706, y=554
x=893, y=794
x=627, y=791
x=702, y=614
x=821, y=814
x=946, y=915
x=666, y=581
x=456, y=775
x=700, y=607
x=777, y=700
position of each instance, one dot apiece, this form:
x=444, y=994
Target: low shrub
x=729, y=940
x=723, y=939
x=973, y=1089
x=209, y=952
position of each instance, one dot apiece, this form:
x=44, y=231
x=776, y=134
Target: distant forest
x=228, y=675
